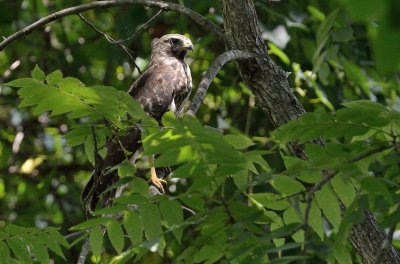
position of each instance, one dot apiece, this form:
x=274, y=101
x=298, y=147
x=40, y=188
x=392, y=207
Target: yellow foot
x=153, y=176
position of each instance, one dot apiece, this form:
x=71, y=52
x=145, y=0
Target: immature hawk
x=165, y=85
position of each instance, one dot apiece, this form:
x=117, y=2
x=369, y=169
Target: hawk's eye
x=174, y=41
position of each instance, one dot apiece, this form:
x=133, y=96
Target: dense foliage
x=236, y=195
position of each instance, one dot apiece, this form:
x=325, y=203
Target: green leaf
x=20, y=249
x=172, y=213
x=238, y=141
x=367, y=10
x=54, y=78
x=193, y=202
x=354, y=112
x=227, y=170
x=110, y=210
x=326, y=26
x=329, y=205
x=151, y=221
x=269, y=200
x=342, y=255
x=191, y=169
x=214, y=222
x=343, y=34
x=316, y=13
x=96, y=241
x=77, y=135
x=116, y=235
x=374, y=187
x=241, y=179
x=38, y=74
x=206, y=252
x=385, y=38
x=89, y=148
x=291, y=216
x=126, y=168
x=315, y=125
x=15, y=230
x=134, y=228
x=153, y=143
x=119, y=183
x=39, y=250
x=138, y=185
x=176, y=156
x=243, y=212
x=315, y=219
x=51, y=243
x=286, y=185
x=256, y=157
x=344, y=189
x=279, y=53
x=22, y=82
x=133, y=106
x=4, y=250
x=289, y=259
x=55, y=235
x=322, y=37
x=91, y=222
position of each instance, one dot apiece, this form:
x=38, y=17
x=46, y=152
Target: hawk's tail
x=104, y=177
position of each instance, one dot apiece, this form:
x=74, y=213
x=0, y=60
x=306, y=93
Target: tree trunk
x=269, y=84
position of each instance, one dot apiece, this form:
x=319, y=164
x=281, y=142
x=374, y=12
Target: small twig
x=197, y=18
x=328, y=176
x=97, y=162
x=386, y=244
x=112, y=41
x=126, y=152
x=187, y=209
x=76, y=234
x=141, y=27
x=211, y=73
x=84, y=252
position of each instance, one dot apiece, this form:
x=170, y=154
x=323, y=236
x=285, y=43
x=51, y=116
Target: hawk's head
x=172, y=45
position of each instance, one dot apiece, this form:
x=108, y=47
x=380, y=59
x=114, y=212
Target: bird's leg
x=153, y=176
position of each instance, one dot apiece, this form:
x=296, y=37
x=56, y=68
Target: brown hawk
x=165, y=85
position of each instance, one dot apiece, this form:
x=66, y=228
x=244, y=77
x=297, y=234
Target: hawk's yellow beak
x=188, y=46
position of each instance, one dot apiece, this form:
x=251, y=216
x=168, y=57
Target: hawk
x=165, y=85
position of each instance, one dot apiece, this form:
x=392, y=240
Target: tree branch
x=221, y=60
x=76, y=234
x=197, y=18
x=84, y=252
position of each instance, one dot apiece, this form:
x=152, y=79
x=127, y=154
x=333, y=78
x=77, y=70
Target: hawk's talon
x=158, y=183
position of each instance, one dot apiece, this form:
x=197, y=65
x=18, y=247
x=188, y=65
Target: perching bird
x=165, y=85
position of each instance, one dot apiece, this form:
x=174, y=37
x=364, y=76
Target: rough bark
x=269, y=84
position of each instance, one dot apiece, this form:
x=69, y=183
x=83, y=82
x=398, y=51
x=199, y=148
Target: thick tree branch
x=274, y=97
x=222, y=59
x=197, y=18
